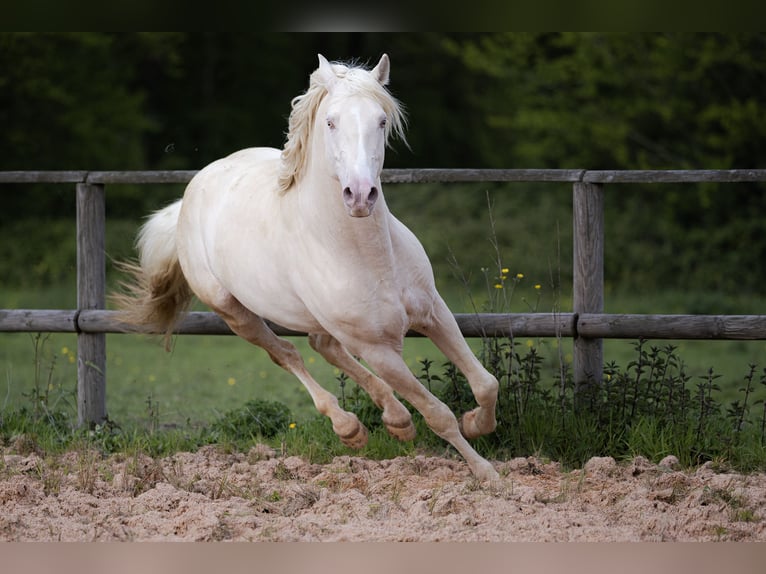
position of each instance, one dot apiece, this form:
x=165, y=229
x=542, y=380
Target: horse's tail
x=156, y=292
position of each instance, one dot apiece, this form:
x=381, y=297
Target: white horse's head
x=346, y=118
x=355, y=124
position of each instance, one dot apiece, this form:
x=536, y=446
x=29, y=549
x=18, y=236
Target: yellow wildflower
x=498, y=286
x=504, y=271
x=519, y=276
x=292, y=425
x=232, y=381
x=538, y=286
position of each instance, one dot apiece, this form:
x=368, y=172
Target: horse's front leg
x=445, y=333
x=252, y=328
x=388, y=363
x=396, y=417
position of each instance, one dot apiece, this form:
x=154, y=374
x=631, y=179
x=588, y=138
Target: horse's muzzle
x=360, y=203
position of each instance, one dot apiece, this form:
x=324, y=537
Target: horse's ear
x=382, y=70
x=326, y=73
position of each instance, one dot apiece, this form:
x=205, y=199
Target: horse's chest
x=374, y=308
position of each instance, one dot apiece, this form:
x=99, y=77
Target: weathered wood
x=588, y=287
x=675, y=176
x=516, y=324
x=135, y=177
x=91, y=294
x=591, y=325
x=42, y=176
x=731, y=327
x=467, y=175
x=38, y=321
x=431, y=175
x=471, y=325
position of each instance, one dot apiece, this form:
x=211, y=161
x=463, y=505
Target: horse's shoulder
x=402, y=236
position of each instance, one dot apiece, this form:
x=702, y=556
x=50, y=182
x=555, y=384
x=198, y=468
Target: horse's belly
x=280, y=307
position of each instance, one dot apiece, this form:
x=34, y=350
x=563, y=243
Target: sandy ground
x=214, y=496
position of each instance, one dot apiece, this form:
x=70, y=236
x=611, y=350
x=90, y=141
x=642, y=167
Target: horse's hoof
x=357, y=438
x=402, y=433
x=469, y=427
x=486, y=473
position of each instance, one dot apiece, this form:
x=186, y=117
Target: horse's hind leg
x=446, y=335
x=396, y=417
x=253, y=329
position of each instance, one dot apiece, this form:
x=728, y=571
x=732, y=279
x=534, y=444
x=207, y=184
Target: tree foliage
x=638, y=101
x=69, y=102
x=96, y=101
x=621, y=101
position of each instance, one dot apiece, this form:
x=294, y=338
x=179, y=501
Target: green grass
x=636, y=411
x=201, y=378
x=205, y=376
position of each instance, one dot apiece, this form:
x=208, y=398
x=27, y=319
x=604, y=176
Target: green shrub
x=256, y=418
x=649, y=408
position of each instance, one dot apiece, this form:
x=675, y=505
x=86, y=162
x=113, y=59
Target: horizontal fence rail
x=592, y=325
x=421, y=175
x=587, y=324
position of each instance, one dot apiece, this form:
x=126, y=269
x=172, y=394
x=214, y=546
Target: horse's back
x=252, y=155
x=224, y=184
x=258, y=163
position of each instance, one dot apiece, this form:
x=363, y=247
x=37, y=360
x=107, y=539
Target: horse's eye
x=331, y=124
x=383, y=122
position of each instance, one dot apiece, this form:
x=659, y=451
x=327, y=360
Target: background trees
x=560, y=100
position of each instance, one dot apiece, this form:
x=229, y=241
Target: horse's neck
x=349, y=238
x=371, y=231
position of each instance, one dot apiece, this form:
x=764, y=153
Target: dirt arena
x=259, y=496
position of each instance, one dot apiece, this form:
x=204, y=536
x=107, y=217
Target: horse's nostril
x=373, y=194
x=347, y=194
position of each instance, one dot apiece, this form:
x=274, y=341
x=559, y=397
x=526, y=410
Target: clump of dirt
x=210, y=495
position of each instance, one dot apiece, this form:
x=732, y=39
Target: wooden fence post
x=91, y=294
x=588, y=292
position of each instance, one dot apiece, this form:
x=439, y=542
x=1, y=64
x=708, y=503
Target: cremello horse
x=303, y=237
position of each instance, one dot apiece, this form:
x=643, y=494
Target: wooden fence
x=586, y=324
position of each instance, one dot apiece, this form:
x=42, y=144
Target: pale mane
x=303, y=113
